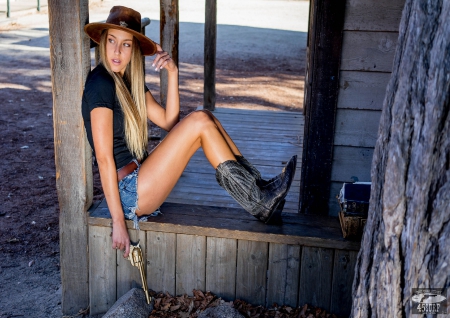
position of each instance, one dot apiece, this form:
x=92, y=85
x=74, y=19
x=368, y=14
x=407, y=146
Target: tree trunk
x=406, y=242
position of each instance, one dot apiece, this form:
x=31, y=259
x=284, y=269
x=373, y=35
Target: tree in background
x=406, y=243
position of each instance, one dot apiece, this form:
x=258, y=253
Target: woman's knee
x=200, y=119
x=213, y=118
x=207, y=112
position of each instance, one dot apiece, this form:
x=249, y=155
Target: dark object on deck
x=133, y=305
x=354, y=201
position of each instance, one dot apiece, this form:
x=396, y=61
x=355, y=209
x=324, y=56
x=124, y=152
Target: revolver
x=136, y=259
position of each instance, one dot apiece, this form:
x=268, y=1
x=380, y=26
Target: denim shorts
x=129, y=198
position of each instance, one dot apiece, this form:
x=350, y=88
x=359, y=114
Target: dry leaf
x=183, y=315
x=184, y=306
x=303, y=311
x=191, y=306
x=173, y=308
x=157, y=303
x=165, y=307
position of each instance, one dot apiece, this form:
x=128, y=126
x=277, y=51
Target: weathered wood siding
x=229, y=253
x=369, y=41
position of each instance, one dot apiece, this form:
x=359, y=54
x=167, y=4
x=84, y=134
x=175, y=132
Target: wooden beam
x=161, y=260
x=221, y=255
x=233, y=223
x=369, y=15
x=190, y=262
x=362, y=90
x=283, y=274
x=315, y=277
x=102, y=272
x=168, y=33
x=343, y=273
x=70, y=64
x=356, y=128
x=368, y=51
x=251, y=269
x=322, y=85
x=209, y=84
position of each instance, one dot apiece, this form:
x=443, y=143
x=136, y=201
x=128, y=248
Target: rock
x=222, y=311
x=131, y=305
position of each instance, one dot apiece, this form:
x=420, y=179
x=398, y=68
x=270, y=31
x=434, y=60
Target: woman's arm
x=165, y=118
x=102, y=133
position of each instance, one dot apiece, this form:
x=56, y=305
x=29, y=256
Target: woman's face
x=118, y=49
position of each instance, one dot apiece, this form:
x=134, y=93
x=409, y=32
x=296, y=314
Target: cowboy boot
x=263, y=202
x=249, y=167
x=255, y=172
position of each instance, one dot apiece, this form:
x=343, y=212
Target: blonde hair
x=133, y=105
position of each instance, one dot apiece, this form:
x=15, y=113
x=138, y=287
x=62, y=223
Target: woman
x=116, y=106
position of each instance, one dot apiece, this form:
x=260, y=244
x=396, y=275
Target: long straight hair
x=132, y=104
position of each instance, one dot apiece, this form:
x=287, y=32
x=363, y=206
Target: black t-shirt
x=100, y=91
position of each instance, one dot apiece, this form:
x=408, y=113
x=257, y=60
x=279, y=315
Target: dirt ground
x=30, y=284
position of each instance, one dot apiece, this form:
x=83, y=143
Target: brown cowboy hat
x=125, y=19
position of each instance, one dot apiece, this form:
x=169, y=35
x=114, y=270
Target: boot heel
x=275, y=217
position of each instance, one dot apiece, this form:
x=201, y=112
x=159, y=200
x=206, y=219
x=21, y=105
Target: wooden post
x=70, y=64
x=209, y=84
x=168, y=33
x=321, y=93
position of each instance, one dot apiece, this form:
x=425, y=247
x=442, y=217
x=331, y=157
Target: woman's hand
x=120, y=238
x=163, y=60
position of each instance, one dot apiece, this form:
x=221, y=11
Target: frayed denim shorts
x=129, y=198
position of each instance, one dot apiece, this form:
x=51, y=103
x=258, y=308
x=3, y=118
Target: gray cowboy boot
x=263, y=202
x=250, y=168
x=255, y=172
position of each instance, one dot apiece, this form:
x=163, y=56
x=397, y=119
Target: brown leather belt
x=126, y=170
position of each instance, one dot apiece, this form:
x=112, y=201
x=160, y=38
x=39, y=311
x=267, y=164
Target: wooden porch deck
x=268, y=139
x=205, y=241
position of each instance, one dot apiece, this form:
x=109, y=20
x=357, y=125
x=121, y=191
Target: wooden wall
x=369, y=42
x=230, y=253
x=261, y=273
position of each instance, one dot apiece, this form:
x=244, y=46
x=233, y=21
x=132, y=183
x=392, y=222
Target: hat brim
x=94, y=30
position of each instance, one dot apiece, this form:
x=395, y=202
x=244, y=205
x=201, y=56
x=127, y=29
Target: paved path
x=19, y=8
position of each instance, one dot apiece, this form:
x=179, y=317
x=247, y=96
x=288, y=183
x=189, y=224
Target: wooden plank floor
x=268, y=139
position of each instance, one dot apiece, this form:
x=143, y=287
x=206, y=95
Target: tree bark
x=406, y=241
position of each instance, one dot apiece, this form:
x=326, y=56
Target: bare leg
x=225, y=135
x=161, y=170
x=242, y=161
